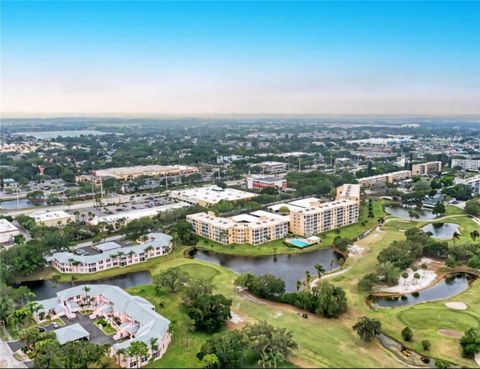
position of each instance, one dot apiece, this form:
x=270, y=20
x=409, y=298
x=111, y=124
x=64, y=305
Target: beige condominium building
x=52, y=218
x=387, y=177
x=426, y=169
x=130, y=173
x=255, y=228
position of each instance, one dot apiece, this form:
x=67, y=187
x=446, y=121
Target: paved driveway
x=96, y=334
x=7, y=359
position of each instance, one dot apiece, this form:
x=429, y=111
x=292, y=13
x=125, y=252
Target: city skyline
x=182, y=58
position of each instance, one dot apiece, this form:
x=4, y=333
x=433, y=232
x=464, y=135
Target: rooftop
x=71, y=333
x=211, y=194
x=6, y=226
x=42, y=216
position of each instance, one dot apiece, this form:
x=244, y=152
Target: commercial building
x=349, y=192
x=127, y=216
x=386, y=177
x=52, y=218
x=210, y=195
x=255, y=228
x=258, y=182
x=473, y=182
x=111, y=255
x=130, y=173
x=426, y=169
x=273, y=167
x=7, y=231
x=467, y=164
x=133, y=318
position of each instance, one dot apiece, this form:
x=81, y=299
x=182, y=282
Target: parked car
x=55, y=325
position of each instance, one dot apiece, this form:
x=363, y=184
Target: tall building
x=473, y=182
x=255, y=228
x=386, y=177
x=467, y=164
x=426, y=169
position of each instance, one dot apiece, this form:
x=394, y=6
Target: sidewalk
x=7, y=359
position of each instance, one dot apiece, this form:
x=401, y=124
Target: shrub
x=407, y=334
x=426, y=344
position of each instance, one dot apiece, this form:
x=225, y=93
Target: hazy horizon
x=64, y=59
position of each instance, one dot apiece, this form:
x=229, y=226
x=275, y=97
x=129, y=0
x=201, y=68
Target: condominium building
x=426, y=169
x=211, y=195
x=133, y=318
x=7, y=231
x=273, y=167
x=52, y=218
x=386, y=177
x=473, y=182
x=255, y=228
x=111, y=255
x=258, y=182
x=349, y=192
x=130, y=173
x=467, y=164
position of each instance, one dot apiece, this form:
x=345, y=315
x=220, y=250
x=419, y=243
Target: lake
x=442, y=231
x=402, y=212
x=21, y=204
x=291, y=267
x=441, y=291
x=47, y=289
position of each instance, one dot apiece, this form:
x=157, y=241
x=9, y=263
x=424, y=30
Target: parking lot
x=96, y=334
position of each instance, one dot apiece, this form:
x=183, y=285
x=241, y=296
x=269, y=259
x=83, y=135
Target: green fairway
x=425, y=317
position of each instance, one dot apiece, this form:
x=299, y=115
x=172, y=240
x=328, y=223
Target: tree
x=195, y=289
x=438, y=209
x=266, y=286
x=320, y=269
x=455, y=237
x=272, y=345
x=367, y=328
x=367, y=282
x=138, y=349
x=388, y=272
x=186, y=233
x=470, y=343
x=210, y=312
x=331, y=301
x=405, y=276
x=472, y=207
x=173, y=279
x=230, y=350
x=474, y=234
x=210, y=361
x=137, y=228
x=416, y=277
x=284, y=210
x=426, y=345
x=407, y=334
x=87, y=290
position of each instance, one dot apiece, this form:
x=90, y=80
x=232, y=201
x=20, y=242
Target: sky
x=120, y=57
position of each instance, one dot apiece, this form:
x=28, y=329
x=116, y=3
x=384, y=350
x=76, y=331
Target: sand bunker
x=456, y=305
x=411, y=284
x=236, y=319
x=450, y=333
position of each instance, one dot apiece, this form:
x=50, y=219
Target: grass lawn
x=47, y=323
x=320, y=340
x=107, y=329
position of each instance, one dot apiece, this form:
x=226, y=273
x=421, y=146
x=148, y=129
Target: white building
x=7, y=231
x=210, y=195
x=52, y=218
x=473, y=182
x=133, y=318
x=127, y=216
x=467, y=164
x=273, y=167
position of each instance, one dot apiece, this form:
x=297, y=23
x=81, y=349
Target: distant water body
x=55, y=134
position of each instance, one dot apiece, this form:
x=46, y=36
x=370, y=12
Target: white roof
x=305, y=203
x=151, y=323
x=211, y=194
x=42, y=216
x=6, y=226
x=71, y=333
x=290, y=207
x=137, y=214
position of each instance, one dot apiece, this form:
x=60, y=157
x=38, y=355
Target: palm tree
x=130, y=254
x=73, y=278
x=417, y=277
x=153, y=344
x=320, y=269
x=87, y=290
x=299, y=284
x=474, y=234
x=405, y=276
x=149, y=248
x=455, y=237
x=307, y=279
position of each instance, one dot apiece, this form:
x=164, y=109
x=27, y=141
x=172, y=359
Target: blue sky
x=240, y=57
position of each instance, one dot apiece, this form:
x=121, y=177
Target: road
x=108, y=239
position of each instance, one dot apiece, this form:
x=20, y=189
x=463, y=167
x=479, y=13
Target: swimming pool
x=299, y=243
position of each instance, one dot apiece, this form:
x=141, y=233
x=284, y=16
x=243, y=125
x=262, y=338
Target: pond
x=443, y=231
x=291, y=267
x=443, y=290
x=402, y=212
x=21, y=204
x=47, y=289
